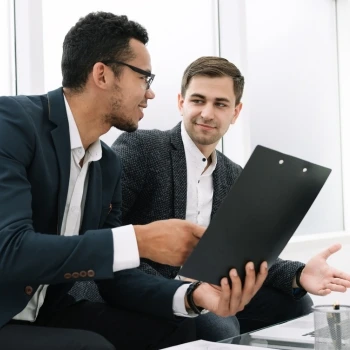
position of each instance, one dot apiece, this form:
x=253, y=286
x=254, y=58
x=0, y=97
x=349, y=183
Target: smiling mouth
x=206, y=126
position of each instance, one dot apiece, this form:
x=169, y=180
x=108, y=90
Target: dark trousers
x=94, y=326
x=270, y=306
x=214, y=328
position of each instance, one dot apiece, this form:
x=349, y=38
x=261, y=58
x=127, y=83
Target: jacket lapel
x=61, y=141
x=93, y=202
x=178, y=159
x=220, y=185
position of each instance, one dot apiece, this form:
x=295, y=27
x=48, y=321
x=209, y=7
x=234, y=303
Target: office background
x=293, y=54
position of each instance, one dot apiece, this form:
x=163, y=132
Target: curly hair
x=99, y=36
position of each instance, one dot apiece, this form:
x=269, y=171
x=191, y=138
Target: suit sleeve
x=141, y=292
x=28, y=256
x=130, y=149
x=281, y=275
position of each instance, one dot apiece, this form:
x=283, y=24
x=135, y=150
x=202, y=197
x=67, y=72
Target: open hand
x=225, y=301
x=319, y=278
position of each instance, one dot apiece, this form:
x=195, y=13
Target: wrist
x=141, y=236
x=297, y=278
x=193, y=297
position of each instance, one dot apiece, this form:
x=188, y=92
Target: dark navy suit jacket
x=34, y=175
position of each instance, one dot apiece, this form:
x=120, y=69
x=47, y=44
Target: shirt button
x=75, y=275
x=67, y=276
x=199, y=212
x=203, y=159
x=199, y=181
x=83, y=274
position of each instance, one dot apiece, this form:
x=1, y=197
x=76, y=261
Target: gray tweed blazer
x=154, y=187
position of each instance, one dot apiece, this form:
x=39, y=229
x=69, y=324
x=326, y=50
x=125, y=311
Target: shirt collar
x=94, y=150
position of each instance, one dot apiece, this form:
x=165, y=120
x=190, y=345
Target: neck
x=207, y=150
x=86, y=114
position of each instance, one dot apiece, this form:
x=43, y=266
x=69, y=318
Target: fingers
x=230, y=297
x=336, y=287
x=341, y=282
x=341, y=275
x=330, y=250
x=249, y=285
x=261, y=277
x=324, y=292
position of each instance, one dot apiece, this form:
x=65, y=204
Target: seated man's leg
x=214, y=328
x=31, y=337
x=124, y=329
x=270, y=306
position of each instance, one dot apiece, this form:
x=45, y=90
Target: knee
x=213, y=328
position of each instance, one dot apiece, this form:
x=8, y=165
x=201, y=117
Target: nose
x=150, y=95
x=207, y=111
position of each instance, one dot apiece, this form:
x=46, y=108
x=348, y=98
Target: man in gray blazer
x=179, y=174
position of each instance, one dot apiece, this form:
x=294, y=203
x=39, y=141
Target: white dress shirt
x=126, y=254
x=199, y=182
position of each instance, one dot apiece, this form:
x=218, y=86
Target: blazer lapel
x=220, y=185
x=93, y=202
x=61, y=141
x=178, y=159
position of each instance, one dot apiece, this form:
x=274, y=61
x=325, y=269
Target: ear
x=100, y=75
x=237, y=111
x=180, y=102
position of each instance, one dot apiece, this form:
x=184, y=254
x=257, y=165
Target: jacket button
x=75, y=275
x=83, y=274
x=67, y=276
x=28, y=290
x=91, y=273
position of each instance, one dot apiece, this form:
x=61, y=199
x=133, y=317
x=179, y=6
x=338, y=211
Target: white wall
x=291, y=101
x=343, y=21
x=7, y=59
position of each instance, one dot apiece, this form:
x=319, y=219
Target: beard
x=121, y=122
x=202, y=139
x=117, y=117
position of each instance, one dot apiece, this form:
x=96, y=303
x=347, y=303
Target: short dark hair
x=99, y=36
x=213, y=67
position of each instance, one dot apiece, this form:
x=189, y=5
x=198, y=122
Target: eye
x=221, y=105
x=197, y=101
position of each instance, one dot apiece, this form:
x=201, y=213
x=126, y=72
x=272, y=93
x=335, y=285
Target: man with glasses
x=60, y=217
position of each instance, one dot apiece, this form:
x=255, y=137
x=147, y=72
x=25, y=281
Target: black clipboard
x=258, y=217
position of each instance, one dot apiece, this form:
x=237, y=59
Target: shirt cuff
x=126, y=251
x=179, y=308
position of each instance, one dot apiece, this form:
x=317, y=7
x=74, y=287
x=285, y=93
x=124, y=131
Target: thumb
x=330, y=250
x=198, y=231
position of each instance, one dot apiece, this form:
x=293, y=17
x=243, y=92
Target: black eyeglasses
x=148, y=75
